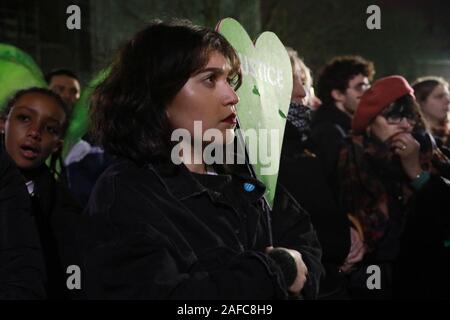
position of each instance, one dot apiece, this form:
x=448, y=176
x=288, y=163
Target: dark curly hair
x=338, y=72
x=128, y=117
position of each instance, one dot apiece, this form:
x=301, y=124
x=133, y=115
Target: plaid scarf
x=366, y=168
x=300, y=117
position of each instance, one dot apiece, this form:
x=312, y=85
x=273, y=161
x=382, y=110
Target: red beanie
x=382, y=93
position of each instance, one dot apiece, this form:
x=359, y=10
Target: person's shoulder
x=9, y=173
x=125, y=174
x=328, y=131
x=4, y=162
x=122, y=168
x=322, y=114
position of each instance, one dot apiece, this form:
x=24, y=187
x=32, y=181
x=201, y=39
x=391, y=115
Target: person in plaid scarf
x=393, y=185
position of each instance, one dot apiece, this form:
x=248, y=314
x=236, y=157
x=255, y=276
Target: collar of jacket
x=44, y=189
x=331, y=114
x=183, y=184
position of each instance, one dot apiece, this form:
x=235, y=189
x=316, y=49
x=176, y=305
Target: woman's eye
x=53, y=130
x=394, y=118
x=211, y=79
x=23, y=117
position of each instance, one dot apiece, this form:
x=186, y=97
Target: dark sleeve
x=427, y=237
x=430, y=206
x=65, y=217
x=292, y=228
x=126, y=257
x=22, y=272
x=304, y=178
x=83, y=175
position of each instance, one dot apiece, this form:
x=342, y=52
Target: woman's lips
x=230, y=119
x=29, y=153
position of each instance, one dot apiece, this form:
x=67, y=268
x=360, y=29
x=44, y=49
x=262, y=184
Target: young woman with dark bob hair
x=394, y=182
x=161, y=230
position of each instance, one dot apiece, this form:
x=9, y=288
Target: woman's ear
x=337, y=95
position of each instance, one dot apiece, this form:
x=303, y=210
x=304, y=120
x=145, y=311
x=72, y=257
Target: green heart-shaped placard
x=264, y=97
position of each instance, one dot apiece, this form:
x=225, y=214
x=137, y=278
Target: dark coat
x=292, y=228
x=329, y=126
x=301, y=173
x=55, y=213
x=329, y=129
x=22, y=272
x=155, y=235
x=423, y=270
x=412, y=248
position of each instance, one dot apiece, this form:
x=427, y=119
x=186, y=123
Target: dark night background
x=413, y=40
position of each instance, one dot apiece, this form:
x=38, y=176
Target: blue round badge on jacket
x=249, y=187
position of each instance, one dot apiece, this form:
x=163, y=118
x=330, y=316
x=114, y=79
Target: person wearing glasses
x=390, y=177
x=340, y=85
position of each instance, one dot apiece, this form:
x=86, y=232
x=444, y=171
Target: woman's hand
x=357, y=250
x=302, y=270
x=408, y=149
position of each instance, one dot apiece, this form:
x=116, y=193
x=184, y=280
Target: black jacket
x=329, y=129
x=301, y=173
x=413, y=250
x=329, y=126
x=22, y=274
x=56, y=214
x=155, y=235
x=424, y=258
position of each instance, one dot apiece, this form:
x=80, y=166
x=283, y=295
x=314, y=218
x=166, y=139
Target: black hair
x=18, y=94
x=60, y=72
x=338, y=72
x=128, y=109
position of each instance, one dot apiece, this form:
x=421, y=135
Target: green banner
x=17, y=71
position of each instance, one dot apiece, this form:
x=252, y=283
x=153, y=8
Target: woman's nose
x=447, y=99
x=34, y=132
x=298, y=91
x=230, y=96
